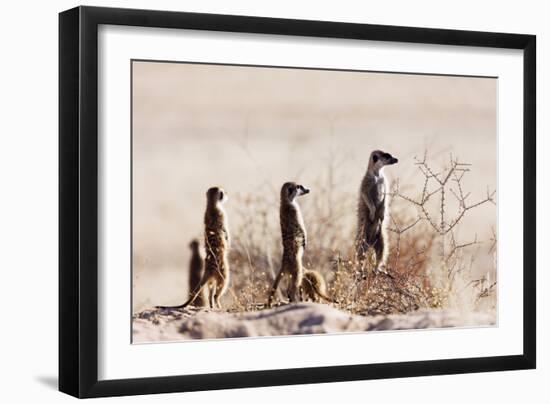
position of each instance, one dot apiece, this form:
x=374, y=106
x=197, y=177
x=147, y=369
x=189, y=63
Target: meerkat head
x=291, y=190
x=194, y=244
x=380, y=159
x=216, y=195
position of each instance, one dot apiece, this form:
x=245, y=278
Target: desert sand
x=154, y=325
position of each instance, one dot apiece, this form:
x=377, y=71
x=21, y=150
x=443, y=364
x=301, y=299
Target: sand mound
x=303, y=318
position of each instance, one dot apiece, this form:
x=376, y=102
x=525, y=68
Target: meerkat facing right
x=216, y=244
x=314, y=286
x=371, y=209
x=294, y=240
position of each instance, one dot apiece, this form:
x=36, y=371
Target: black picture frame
x=78, y=200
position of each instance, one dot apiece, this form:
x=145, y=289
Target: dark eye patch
x=375, y=158
x=387, y=155
x=221, y=195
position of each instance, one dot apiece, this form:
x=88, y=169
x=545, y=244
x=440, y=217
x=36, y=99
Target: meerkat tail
x=194, y=295
x=321, y=294
x=169, y=307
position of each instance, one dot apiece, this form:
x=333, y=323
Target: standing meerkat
x=314, y=286
x=294, y=240
x=371, y=209
x=196, y=267
x=216, y=244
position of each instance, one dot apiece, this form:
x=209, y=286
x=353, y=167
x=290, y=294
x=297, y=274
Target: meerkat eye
x=375, y=158
x=221, y=195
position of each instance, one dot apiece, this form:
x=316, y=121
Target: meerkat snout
x=303, y=190
x=380, y=159
x=291, y=190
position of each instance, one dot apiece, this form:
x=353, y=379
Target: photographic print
x=277, y=201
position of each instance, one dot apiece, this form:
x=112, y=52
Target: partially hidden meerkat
x=314, y=287
x=371, y=210
x=294, y=239
x=196, y=267
x=215, y=278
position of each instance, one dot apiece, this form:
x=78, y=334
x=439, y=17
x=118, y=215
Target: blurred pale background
x=249, y=129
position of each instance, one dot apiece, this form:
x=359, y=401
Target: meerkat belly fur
x=371, y=210
x=215, y=279
x=294, y=239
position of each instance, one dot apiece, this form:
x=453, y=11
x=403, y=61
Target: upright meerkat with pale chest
x=371, y=209
x=216, y=244
x=294, y=240
x=196, y=267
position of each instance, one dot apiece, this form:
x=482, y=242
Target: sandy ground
x=303, y=318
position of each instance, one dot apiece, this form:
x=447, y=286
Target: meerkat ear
x=374, y=158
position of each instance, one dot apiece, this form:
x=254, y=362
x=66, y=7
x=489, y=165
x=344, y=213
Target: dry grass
x=428, y=267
